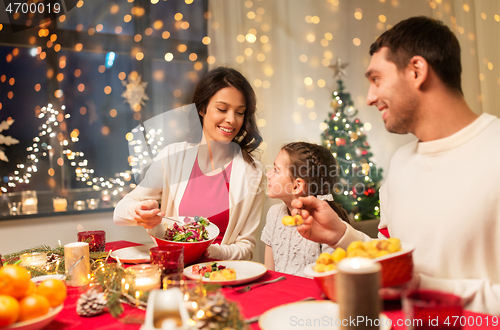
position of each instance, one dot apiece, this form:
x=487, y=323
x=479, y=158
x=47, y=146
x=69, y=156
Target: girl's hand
x=148, y=214
x=321, y=223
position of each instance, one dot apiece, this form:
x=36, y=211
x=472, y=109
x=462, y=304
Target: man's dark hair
x=428, y=38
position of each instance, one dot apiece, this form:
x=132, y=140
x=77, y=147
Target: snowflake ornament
x=135, y=92
x=7, y=140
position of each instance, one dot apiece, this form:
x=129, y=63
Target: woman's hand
x=148, y=214
x=321, y=223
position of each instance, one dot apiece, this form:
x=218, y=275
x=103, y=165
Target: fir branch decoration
x=55, y=259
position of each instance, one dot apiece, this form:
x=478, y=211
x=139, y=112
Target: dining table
x=252, y=303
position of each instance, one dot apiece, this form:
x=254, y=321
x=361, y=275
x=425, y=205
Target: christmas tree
x=344, y=135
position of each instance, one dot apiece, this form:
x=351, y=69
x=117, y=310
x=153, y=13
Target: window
x=76, y=86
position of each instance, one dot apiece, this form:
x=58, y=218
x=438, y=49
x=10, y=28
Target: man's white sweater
x=443, y=196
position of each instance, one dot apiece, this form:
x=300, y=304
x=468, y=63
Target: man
x=441, y=193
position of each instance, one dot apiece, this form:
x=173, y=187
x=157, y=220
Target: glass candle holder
x=59, y=204
x=93, y=203
x=95, y=238
x=79, y=205
x=140, y=279
x=429, y=309
x=193, y=292
x=14, y=208
x=29, y=202
x=35, y=259
x=169, y=259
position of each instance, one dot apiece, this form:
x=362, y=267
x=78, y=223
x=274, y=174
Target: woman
x=216, y=178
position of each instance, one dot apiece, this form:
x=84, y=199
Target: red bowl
x=192, y=250
x=397, y=269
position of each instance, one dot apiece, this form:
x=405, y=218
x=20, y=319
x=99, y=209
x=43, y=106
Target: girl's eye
x=221, y=110
x=241, y=113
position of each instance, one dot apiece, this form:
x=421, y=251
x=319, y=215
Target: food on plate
x=371, y=249
x=193, y=230
x=295, y=220
x=21, y=299
x=215, y=272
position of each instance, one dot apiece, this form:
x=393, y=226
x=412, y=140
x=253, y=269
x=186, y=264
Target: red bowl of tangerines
x=27, y=303
x=394, y=257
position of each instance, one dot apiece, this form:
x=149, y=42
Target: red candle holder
x=169, y=259
x=428, y=309
x=95, y=238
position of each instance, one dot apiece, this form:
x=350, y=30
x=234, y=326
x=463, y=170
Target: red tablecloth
x=252, y=303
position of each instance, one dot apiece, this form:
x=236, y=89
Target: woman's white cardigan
x=167, y=179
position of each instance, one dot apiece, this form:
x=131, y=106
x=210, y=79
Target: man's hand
x=321, y=223
x=148, y=214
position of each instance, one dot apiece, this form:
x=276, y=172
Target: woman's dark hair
x=315, y=165
x=428, y=38
x=248, y=138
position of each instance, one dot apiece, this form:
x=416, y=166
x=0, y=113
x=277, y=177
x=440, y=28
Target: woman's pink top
x=208, y=197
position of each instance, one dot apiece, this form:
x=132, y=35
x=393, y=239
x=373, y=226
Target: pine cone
x=90, y=303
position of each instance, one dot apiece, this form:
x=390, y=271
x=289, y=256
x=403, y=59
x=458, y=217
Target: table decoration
x=60, y=204
x=14, y=208
x=139, y=280
x=77, y=263
x=169, y=259
x=432, y=309
x=35, y=259
x=95, y=238
x=55, y=259
x=79, y=205
x=358, y=283
x=29, y=202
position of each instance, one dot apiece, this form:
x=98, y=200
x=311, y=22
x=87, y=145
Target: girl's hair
x=315, y=165
x=248, y=138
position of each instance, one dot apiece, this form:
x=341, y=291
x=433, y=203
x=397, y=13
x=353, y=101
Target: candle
x=35, y=259
x=30, y=205
x=358, y=282
x=77, y=274
x=60, y=204
x=93, y=203
x=141, y=278
x=79, y=205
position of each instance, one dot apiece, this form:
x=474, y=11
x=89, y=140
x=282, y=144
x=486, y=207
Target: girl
x=300, y=169
x=188, y=183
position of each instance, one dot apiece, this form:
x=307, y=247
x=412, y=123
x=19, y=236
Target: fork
x=249, y=287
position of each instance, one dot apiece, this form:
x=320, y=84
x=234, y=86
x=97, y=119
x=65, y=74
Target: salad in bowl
x=195, y=234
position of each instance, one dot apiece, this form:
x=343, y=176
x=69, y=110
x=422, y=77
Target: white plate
x=133, y=255
x=37, y=323
x=311, y=315
x=246, y=271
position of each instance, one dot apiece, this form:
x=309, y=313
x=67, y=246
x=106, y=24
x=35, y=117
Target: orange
x=54, y=290
x=9, y=310
x=14, y=281
x=31, y=289
x=33, y=306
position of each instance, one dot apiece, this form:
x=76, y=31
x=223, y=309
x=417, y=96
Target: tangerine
x=33, y=306
x=9, y=310
x=31, y=289
x=14, y=281
x=54, y=290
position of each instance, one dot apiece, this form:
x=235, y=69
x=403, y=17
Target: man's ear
x=419, y=70
x=299, y=187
